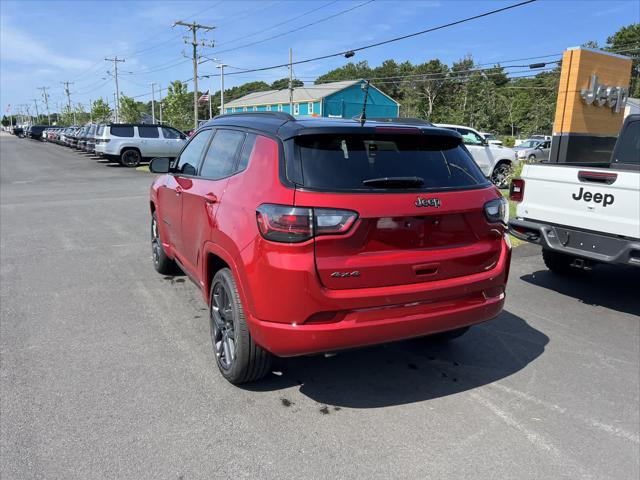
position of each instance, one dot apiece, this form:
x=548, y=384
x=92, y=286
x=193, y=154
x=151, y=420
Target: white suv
x=131, y=143
x=495, y=161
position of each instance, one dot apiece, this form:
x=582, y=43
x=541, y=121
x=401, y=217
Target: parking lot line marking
x=618, y=432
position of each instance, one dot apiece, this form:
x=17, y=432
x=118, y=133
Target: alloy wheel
x=130, y=158
x=222, y=327
x=155, y=240
x=500, y=176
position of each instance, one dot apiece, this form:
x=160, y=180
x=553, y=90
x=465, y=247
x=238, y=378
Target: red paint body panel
x=421, y=270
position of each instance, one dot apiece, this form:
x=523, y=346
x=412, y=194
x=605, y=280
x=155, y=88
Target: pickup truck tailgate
x=597, y=199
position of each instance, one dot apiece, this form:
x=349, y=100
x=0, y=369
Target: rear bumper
x=367, y=316
x=589, y=245
x=378, y=325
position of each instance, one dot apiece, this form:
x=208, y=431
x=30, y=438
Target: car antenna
x=363, y=115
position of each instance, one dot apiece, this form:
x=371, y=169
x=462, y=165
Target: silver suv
x=130, y=143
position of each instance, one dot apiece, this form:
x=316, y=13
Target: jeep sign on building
x=593, y=90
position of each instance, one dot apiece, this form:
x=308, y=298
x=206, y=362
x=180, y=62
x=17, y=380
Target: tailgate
x=396, y=242
x=597, y=199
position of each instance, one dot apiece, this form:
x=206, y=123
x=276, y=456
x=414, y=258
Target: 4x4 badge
x=428, y=202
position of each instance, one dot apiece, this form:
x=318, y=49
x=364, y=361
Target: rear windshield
x=351, y=162
x=100, y=129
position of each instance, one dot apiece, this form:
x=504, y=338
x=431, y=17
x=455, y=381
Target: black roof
x=285, y=126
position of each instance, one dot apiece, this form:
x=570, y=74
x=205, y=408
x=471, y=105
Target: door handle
x=178, y=191
x=210, y=198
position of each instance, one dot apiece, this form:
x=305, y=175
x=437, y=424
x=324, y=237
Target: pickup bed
x=583, y=214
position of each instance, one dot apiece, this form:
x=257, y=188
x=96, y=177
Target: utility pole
x=221, y=67
x=194, y=27
x=209, y=96
x=46, y=101
x=153, y=103
x=115, y=61
x=90, y=111
x=35, y=102
x=290, y=82
x=66, y=91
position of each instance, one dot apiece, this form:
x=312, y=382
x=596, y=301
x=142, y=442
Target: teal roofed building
x=336, y=99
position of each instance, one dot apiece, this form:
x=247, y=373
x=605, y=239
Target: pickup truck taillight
x=283, y=223
x=516, y=190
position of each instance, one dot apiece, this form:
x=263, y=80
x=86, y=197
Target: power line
x=278, y=35
x=391, y=40
x=309, y=12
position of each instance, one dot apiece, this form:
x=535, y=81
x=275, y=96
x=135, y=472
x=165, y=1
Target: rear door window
x=350, y=162
x=220, y=160
x=122, y=130
x=148, y=132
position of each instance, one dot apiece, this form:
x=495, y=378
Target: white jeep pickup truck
x=581, y=214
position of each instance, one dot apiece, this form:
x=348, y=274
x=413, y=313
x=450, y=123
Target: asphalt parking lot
x=107, y=370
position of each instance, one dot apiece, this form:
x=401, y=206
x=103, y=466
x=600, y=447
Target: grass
x=512, y=214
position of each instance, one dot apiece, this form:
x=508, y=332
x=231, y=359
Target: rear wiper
x=394, y=182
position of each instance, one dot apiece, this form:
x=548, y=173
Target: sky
x=44, y=43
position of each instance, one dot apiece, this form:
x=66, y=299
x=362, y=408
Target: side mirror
x=188, y=170
x=160, y=165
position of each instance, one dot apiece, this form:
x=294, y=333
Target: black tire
x=500, y=175
x=532, y=158
x=238, y=358
x=130, y=158
x=559, y=263
x=444, y=337
x=161, y=262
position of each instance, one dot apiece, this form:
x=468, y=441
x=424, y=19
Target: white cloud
x=20, y=47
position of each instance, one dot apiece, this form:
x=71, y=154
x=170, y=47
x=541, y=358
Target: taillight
x=497, y=211
x=283, y=223
x=516, y=190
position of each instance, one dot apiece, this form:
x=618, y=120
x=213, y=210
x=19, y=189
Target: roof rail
x=403, y=121
x=280, y=115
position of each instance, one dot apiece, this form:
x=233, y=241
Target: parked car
x=84, y=136
x=131, y=143
x=34, y=132
x=315, y=235
x=90, y=143
x=491, y=139
x=496, y=162
x=18, y=131
x=583, y=214
x=534, y=150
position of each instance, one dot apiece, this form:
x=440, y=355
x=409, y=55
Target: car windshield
x=489, y=136
x=530, y=144
x=373, y=161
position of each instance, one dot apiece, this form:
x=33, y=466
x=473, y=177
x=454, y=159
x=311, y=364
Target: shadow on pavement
x=413, y=370
x=615, y=288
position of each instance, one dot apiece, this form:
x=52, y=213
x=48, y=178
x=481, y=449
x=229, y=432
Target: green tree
x=627, y=39
x=177, y=106
x=350, y=71
x=130, y=111
x=100, y=111
x=283, y=83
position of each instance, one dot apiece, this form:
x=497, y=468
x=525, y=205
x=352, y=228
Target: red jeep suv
x=315, y=235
